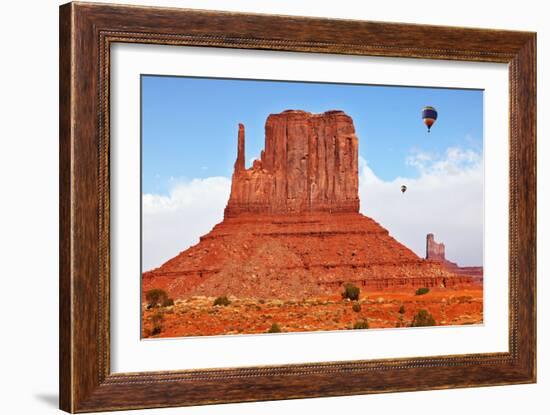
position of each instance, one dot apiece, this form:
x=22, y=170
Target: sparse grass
x=464, y=299
x=400, y=322
x=361, y=325
x=351, y=291
x=423, y=319
x=222, y=301
x=157, y=320
x=422, y=291
x=275, y=328
x=356, y=307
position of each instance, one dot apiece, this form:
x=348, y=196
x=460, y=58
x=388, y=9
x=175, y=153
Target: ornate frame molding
x=86, y=33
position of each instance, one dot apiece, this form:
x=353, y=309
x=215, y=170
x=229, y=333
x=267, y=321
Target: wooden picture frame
x=86, y=33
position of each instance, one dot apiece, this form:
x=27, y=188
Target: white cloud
x=455, y=161
x=175, y=222
x=446, y=199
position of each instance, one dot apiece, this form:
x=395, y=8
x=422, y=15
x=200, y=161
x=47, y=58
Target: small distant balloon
x=429, y=115
x=403, y=189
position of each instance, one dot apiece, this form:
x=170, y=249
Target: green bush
x=155, y=297
x=168, y=302
x=275, y=328
x=361, y=325
x=356, y=307
x=422, y=291
x=223, y=301
x=351, y=292
x=402, y=309
x=422, y=319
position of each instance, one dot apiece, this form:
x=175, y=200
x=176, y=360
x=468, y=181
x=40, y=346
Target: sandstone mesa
x=292, y=227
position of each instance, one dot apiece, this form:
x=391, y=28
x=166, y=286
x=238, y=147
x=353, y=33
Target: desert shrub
x=356, y=307
x=402, y=309
x=168, y=302
x=275, y=328
x=223, y=301
x=157, y=323
x=422, y=291
x=422, y=319
x=155, y=297
x=351, y=291
x=361, y=325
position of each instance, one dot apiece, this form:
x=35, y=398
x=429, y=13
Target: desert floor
x=198, y=316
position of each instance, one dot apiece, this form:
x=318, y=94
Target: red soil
x=197, y=316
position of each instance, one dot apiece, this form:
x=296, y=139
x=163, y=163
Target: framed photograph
x=258, y=207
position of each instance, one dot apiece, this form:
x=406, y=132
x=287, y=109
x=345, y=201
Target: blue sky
x=189, y=125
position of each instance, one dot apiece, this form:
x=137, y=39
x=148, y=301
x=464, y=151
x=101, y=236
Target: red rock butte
x=309, y=165
x=292, y=227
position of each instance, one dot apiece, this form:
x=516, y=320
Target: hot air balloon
x=403, y=188
x=429, y=115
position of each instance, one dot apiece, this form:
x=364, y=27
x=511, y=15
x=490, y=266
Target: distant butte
x=435, y=251
x=292, y=227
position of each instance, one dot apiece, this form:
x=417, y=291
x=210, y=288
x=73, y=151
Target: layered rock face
x=292, y=227
x=309, y=165
x=296, y=256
